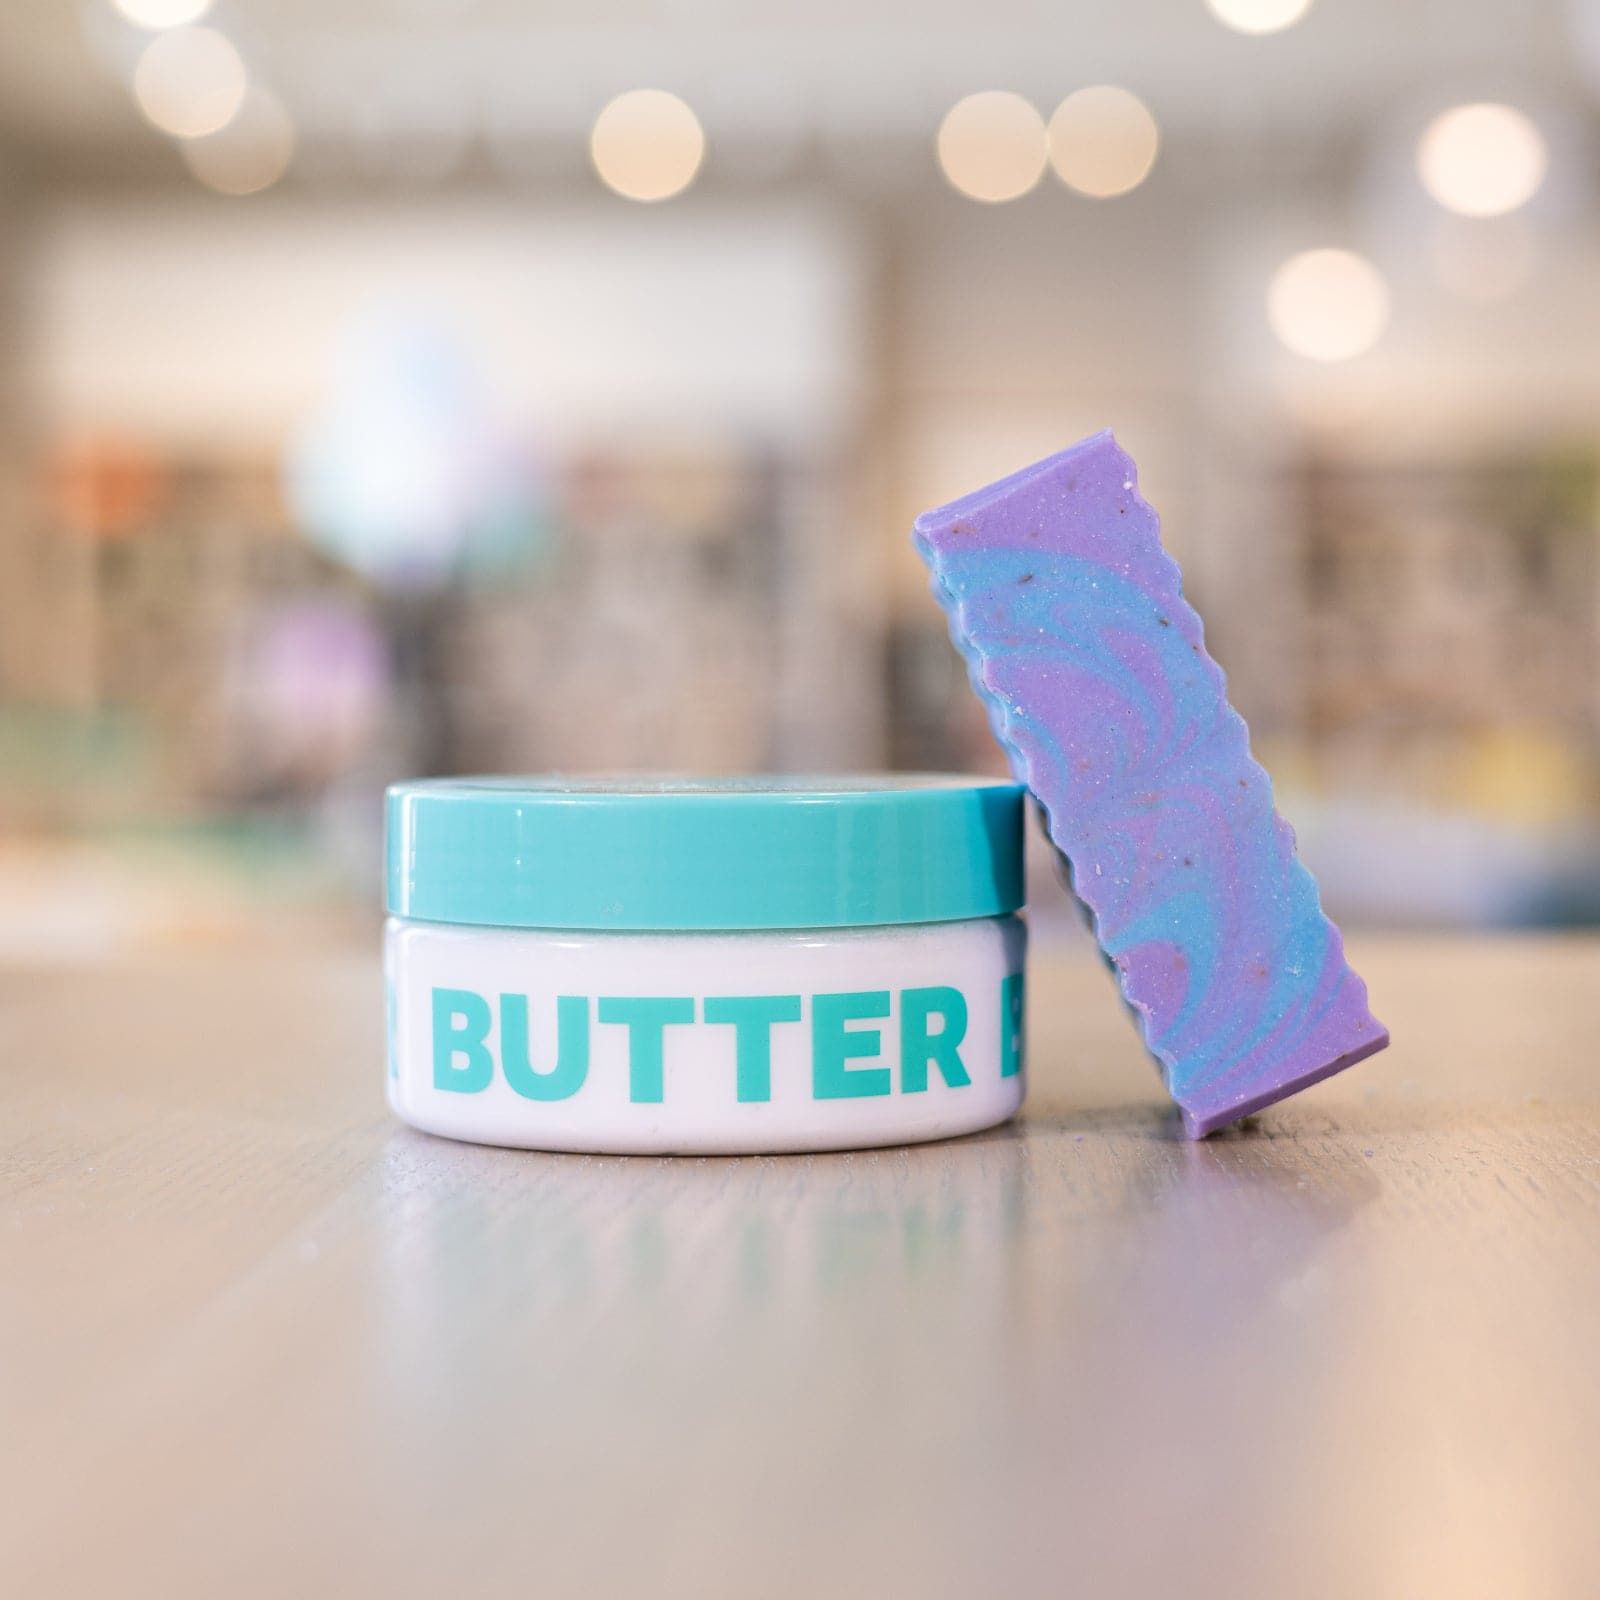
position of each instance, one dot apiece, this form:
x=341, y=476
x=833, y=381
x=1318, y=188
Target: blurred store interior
x=409, y=386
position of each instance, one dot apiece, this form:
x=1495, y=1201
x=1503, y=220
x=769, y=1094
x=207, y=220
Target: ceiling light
x=1328, y=305
x=1259, y=16
x=189, y=82
x=647, y=145
x=250, y=154
x=162, y=13
x=1482, y=160
x=992, y=146
x=1103, y=141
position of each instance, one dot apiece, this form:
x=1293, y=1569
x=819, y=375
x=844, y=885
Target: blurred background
x=420, y=386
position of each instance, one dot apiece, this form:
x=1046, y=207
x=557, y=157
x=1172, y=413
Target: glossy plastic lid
x=680, y=854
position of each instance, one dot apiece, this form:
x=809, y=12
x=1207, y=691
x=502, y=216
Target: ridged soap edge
x=1197, y=1122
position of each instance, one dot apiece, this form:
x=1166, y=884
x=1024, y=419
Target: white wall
x=211, y=323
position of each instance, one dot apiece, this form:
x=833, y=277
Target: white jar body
x=709, y=1043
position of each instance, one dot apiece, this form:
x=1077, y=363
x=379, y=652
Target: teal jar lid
x=674, y=854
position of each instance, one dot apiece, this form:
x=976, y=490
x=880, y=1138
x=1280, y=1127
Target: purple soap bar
x=1077, y=635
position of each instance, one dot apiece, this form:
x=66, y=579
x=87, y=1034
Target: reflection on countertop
x=1345, y=1349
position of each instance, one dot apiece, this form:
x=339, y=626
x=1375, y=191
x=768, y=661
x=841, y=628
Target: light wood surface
x=257, y=1339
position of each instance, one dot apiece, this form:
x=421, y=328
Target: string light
x=1103, y=141
x=189, y=82
x=155, y=14
x=992, y=146
x=1259, y=16
x=1328, y=305
x=1482, y=160
x=647, y=145
x=248, y=155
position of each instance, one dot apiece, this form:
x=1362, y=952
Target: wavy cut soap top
x=1094, y=670
x=684, y=855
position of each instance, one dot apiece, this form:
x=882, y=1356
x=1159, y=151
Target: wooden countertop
x=257, y=1339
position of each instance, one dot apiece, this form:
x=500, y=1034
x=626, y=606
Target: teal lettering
x=918, y=1046
x=1011, y=1025
x=833, y=1044
x=645, y=1020
x=752, y=1016
x=566, y=1077
x=461, y=1028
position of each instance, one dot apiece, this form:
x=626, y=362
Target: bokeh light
x=1482, y=160
x=162, y=13
x=647, y=145
x=1328, y=305
x=1259, y=16
x=250, y=154
x=992, y=146
x=190, y=82
x=1103, y=141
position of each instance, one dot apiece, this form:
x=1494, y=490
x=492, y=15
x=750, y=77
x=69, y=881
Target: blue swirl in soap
x=1094, y=670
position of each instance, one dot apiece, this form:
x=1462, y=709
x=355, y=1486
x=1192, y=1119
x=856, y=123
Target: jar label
x=861, y=1044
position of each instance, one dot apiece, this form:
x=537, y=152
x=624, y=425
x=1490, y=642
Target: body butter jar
x=705, y=967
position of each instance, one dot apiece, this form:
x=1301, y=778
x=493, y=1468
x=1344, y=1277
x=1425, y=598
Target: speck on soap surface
x=1093, y=666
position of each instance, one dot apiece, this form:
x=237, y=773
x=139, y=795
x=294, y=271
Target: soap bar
x=1093, y=667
